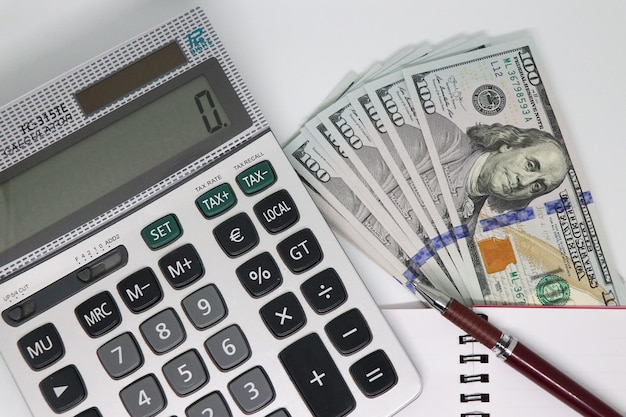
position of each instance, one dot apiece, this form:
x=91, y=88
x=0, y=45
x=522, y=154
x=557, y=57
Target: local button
x=256, y=178
x=161, y=232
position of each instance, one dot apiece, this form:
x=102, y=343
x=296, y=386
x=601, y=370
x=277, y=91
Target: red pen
x=516, y=354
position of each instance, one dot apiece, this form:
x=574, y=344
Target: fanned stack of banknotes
x=451, y=165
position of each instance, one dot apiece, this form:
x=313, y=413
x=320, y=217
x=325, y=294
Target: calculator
x=159, y=255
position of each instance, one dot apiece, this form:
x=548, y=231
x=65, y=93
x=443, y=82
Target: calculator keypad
x=185, y=330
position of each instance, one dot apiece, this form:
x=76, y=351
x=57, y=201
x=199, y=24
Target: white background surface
x=291, y=54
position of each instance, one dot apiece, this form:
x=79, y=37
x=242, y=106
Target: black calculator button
x=92, y=412
x=120, y=356
x=186, y=373
x=214, y=403
x=228, y=348
x=300, y=251
x=144, y=397
x=277, y=212
x=259, y=275
x=236, y=235
x=252, y=390
x=163, y=331
x=349, y=332
x=205, y=307
x=140, y=291
x=324, y=291
x=256, y=178
x=41, y=347
x=317, y=378
x=374, y=374
x=99, y=314
x=283, y=315
x=182, y=266
x=64, y=389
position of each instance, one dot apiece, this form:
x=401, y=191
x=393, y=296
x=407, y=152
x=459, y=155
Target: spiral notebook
x=463, y=378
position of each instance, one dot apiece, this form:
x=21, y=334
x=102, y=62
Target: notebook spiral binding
x=473, y=378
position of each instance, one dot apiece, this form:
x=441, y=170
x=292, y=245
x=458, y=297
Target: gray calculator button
x=252, y=390
x=163, y=332
x=186, y=373
x=143, y=398
x=228, y=348
x=205, y=307
x=120, y=356
x=211, y=405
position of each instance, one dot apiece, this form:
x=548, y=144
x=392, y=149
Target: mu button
x=64, y=389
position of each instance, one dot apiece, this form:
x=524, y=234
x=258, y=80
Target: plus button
x=317, y=378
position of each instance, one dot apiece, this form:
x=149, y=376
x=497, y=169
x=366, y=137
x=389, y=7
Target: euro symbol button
x=237, y=235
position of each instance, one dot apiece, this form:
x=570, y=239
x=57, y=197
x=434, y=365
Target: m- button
x=161, y=232
x=256, y=178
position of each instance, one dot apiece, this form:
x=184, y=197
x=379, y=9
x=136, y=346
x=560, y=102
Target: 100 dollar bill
x=509, y=180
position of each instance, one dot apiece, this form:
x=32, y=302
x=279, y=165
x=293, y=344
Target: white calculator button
x=163, y=332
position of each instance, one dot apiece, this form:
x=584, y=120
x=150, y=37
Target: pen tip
x=433, y=296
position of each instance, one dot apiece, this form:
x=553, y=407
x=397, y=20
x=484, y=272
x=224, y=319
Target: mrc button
x=42, y=347
x=98, y=315
x=256, y=178
x=161, y=232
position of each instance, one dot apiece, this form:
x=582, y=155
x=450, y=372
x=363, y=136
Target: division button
x=324, y=291
x=374, y=374
x=317, y=378
x=41, y=347
x=64, y=389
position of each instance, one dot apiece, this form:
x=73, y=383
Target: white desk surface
x=291, y=53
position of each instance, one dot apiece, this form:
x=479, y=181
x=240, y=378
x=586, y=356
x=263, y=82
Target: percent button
x=259, y=275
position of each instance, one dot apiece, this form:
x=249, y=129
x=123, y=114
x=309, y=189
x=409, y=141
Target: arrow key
x=64, y=389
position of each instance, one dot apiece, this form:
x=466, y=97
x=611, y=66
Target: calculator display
x=118, y=160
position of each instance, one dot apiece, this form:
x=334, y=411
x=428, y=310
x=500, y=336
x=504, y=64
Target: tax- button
x=256, y=178
x=161, y=232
